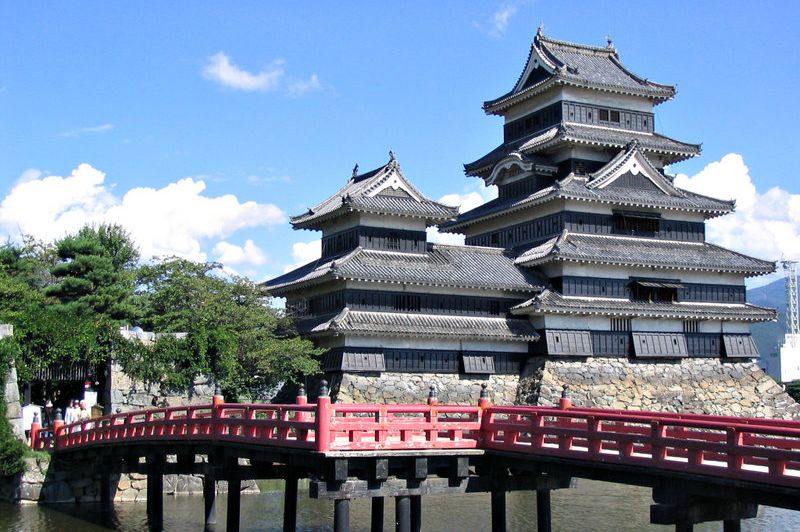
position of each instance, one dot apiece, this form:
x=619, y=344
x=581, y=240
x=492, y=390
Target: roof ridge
x=597, y=50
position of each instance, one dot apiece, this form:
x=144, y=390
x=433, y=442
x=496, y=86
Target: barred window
x=620, y=324
x=691, y=326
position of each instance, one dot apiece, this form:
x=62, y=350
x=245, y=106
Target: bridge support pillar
x=543, y=513
x=290, y=502
x=234, y=505
x=416, y=513
x=376, y=521
x=341, y=515
x=732, y=525
x=402, y=513
x=155, y=490
x=498, y=510
x=106, y=499
x=210, y=497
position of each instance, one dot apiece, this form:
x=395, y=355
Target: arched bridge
x=700, y=467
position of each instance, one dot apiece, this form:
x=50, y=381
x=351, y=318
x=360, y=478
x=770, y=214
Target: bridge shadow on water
x=591, y=505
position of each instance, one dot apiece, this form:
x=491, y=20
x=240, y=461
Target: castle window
x=635, y=224
x=691, y=326
x=603, y=115
x=620, y=324
x=614, y=116
x=393, y=241
x=406, y=302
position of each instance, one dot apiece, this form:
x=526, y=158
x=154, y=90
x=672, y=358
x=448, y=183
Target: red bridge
x=411, y=450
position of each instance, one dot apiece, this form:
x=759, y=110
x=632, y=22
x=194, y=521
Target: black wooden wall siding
x=651, y=344
x=374, y=238
x=540, y=229
x=384, y=301
x=363, y=359
x=621, y=288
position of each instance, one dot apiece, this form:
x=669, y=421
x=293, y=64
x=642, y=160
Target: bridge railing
x=748, y=449
x=320, y=427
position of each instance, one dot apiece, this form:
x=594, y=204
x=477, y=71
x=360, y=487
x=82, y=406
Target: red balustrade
x=759, y=450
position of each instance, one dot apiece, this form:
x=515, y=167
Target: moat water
x=594, y=506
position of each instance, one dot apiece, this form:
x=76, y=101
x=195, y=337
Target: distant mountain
x=769, y=336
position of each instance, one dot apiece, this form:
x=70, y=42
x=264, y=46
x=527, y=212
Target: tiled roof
x=577, y=65
x=551, y=302
x=426, y=325
x=441, y=265
x=643, y=252
x=381, y=191
x=567, y=132
x=574, y=188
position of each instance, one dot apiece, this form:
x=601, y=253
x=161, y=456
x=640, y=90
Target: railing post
x=36, y=426
x=484, y=417
x=565, y=402
x=433, y=396
x=302, y=399
x=216, y=406
x=58, y=424
x=323, y=421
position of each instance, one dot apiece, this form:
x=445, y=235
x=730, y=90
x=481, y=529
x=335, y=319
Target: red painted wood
x=760, y=450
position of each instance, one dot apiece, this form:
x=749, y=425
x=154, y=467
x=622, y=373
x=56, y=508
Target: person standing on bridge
x=71, y=412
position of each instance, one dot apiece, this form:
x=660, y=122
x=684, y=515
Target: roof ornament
x=610, y=41
x=355, y=171
x=633, y=144
x=392, y=157
x=540, y=29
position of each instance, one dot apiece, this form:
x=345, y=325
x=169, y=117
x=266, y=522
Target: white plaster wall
x=579, y=95
x=420, y=343
x=591, y=323
x=404, y=287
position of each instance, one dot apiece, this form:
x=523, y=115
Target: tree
x=233, y=333
x=96, y=274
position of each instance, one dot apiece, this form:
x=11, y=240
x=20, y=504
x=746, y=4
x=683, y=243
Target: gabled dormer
x=379, y=209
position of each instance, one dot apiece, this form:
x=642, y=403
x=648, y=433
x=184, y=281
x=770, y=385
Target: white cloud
x=29, y=175
x=102, y=128
x=498, y=23
x=174, y=220
x=300, y=87
x=220, y=69
x=764, y=225
x=465, y=201
x=303, y=253
x=232, y=255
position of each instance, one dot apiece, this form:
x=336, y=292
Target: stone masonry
x=452, y=388
x=702, y=386
x=54, y=482
x=128, y=394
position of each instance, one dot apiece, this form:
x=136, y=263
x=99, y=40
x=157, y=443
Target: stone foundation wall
x=129, y=394
x=59, y=482
x=703, y=386
x=13, y=405
x=452, y=388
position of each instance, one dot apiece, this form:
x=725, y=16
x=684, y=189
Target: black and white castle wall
x=590, y=269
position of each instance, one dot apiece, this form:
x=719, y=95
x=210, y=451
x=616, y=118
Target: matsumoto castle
x=590, y=263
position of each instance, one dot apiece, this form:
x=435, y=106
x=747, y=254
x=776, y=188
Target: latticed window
x=691, y=326
x=620, y=324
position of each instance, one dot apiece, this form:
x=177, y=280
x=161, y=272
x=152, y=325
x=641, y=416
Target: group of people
x=76, y=411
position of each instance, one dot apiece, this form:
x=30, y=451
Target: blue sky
x=213, y=121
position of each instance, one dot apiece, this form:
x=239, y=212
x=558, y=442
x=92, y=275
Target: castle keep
x=589, y=269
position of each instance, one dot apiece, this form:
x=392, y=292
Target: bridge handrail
x=761, y=453
x=752, y=449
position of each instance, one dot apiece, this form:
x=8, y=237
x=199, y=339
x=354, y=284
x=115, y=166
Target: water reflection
x=595, y=506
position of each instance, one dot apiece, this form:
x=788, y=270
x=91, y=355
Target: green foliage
x=12, y=450
x=233, y=334
x=96, y=273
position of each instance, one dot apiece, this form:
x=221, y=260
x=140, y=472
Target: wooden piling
x=290, y=502
x=416, y=513
x=402, y=513
x=498, y=510
x=155, y=490
x=543, y=513
x=341, y=515
x=234, y=505
x=376, y=523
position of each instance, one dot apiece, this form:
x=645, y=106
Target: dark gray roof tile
x=551, y=302
x=426, y=325
x=643, y=252
x=441, y=265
